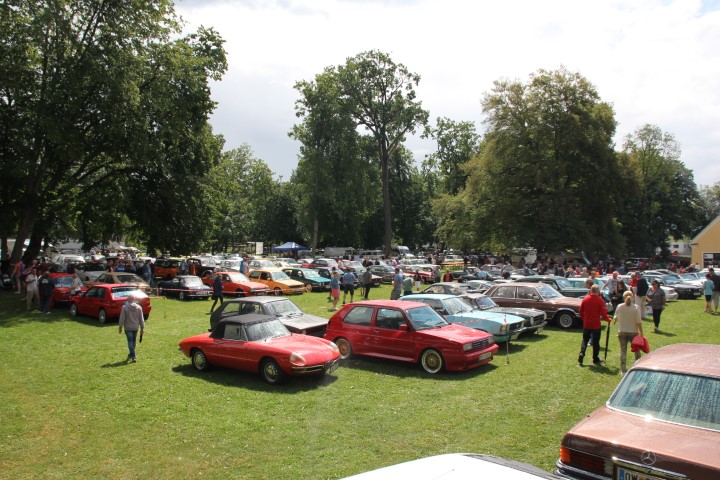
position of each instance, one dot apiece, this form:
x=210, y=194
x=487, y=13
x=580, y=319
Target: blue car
x=456, y=309
x=311, y=279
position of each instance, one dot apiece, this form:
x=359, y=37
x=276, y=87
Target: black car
x=684, y=290
x=282, y=308
x=184, y=287
x=535, y=320
x=473, y=273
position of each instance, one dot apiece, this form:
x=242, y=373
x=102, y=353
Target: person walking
x=592, y=309
x=367, y=283
x=132, y=320
x=31, y=290
x=656, y=300
x=641, y=299
x=46, y=284
x=335, y=289
x=348, y=279
x=217, y=292
x=627, y=317
x=708, y=287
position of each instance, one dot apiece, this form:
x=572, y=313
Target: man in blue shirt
x=397, y=284
x=348, y=285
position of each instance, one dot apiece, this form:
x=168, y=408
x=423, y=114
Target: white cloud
x=655, y=61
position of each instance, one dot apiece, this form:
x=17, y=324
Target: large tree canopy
x=95, y=96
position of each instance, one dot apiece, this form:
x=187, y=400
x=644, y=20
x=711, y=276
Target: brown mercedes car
x=564, y=311
x=662, y=422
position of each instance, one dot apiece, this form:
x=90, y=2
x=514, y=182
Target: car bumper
x=456, y=361
x=327, y=367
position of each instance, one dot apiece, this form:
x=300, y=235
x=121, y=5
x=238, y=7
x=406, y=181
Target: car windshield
x=562, y=283
x=265, y=330
x=689, y=276
x=311, y=273
x=457, y=305
x=546, y=291
x=672, y=397
x=423, y=318
x=670, y=280
x=123, y=292
x=63, y=281
x=282, y=308
x=128, y=278
x=484, y=303
x=238, y=278
x=192, y=281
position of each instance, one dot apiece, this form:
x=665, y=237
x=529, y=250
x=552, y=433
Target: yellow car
x=277, y=281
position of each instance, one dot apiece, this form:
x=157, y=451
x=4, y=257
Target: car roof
x=247, y=319
x=691, y=358
x=258, y=299
x=439, y=296
x=399, y=304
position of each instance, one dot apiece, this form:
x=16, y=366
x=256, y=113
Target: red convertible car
x=104, y=301
x=411, y=332
x=235, y=283
x=261, y=343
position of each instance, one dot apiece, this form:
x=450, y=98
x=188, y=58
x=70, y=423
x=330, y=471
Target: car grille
x=515, y=326
x=538, y=319
x=482, y=344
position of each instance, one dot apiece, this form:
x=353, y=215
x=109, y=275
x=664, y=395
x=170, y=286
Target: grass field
x=72, y=408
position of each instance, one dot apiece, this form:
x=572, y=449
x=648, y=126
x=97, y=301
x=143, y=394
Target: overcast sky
x=655, y=61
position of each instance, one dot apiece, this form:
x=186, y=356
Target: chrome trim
x=566, y=471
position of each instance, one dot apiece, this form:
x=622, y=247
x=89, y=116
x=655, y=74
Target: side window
x=527, y=293
x=102, y=278
x=248, y=308
x=359, y=316
x=100, y=293
x=264, y=276
x=176, y=281
x=231, y=309
x=390, y=319
x=435, y=305
x=504, y=292
x=91, y=292
x=225, y=278
x=234, y=332
x=255, y=275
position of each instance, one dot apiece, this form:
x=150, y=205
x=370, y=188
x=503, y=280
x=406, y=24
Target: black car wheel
x=271, y=371
x=308, y=288
x=199, y=360
x=73, y=310
x=277, y=291
x=102, y=316
x=160, y=292
x=431, y=361
x=181, y=295
x=344, y=346
x=565, y=319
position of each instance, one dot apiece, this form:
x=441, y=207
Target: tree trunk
x=387, y=238
x=25, y=227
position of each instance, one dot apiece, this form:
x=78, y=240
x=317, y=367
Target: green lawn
x=72, y=407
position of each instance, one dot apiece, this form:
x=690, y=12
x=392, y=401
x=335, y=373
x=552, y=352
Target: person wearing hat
x=656, y=300
x=641, y=299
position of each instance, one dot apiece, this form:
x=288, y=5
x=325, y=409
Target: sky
x=654, y=61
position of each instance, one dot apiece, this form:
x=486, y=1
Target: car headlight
x=297, y=359
x=467, y=347
x=333, y=347
x=503, y=327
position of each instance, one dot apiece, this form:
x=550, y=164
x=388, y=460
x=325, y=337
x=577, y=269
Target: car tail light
x=585, y=461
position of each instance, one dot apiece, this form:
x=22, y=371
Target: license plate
x=540, y=330
x=485, y=355
x=624, y=474
x=332, y=366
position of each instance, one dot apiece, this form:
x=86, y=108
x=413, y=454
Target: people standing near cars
x=31, y=288
x=716, y=288
x=656, y=300
x=217, y=292
x=617, y=293
x=17, y=276
x=367, y=283
x=132, y=320
x=627, y=317
x=448, y=276
x=147, y=274
x=334, y=289
x=183, y=267
x=641, y=293
x=348, y=285
x=407, y=285
x=708, y=287
x=46, y=284
x=396, y=285
x=418, y=280
x=76, y=284
x=437, y=274
x=592, y=310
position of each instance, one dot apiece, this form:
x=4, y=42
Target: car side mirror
x=403, y=327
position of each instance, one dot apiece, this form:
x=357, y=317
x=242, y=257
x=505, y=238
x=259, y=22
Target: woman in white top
x=76, y=285
x=627, y=318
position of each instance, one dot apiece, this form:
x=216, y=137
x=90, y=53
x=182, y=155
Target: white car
x=89, y=272
x=457, y=466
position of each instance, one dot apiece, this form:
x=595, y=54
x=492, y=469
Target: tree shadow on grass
x=236, y=378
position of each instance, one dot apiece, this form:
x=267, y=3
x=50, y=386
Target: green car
x=310, y=278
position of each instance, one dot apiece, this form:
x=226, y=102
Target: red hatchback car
x=104, y=301
x=410, y=332
x=662, y=422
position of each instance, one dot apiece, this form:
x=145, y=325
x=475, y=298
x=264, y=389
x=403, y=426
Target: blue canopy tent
x=289, y=247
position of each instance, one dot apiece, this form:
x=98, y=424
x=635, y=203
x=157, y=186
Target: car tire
x=199, y=360
x=73, y=310
x=181, y=295
x=565, y=320
x=431, y=361
x=277, y=292
x=271, y=371
x=344, y=346
x=239, y=292
x=102, y=316
x=160, y=291
x=308, y=288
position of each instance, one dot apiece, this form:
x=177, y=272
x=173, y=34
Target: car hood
x=677, y=448
x=467, y=318
x=255, y=285
x=314, y=349
x=521, y=312
x=455, y=333
x=304, y=321
x=565, y=302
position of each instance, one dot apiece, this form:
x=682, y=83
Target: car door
x=98, y=301
x=391, y=335
x=85, y=300
x=234, y=351
x=356, y=327
x=504, y=295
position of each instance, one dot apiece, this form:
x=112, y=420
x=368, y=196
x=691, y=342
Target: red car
x=235, y=283
x=261, y=343
x=61, y=293
x=411, y=332
x=104, y=301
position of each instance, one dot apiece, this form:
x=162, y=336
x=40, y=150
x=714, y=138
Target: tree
x=541, y=179
x=664, y=202
x=380, y=96
x=710, y=204
x=457, y=143
x=97, y=93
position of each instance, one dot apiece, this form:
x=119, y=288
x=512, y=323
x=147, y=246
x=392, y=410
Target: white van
x=372, y=254
x=334, y=252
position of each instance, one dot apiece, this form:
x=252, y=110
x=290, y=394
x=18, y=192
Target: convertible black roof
x=260, y=299
x=248, y=319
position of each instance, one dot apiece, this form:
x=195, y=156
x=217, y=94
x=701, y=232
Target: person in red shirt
x=592, y=309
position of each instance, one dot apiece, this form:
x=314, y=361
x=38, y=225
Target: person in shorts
x=708, y=286
x=348, y=285
x=334, y=289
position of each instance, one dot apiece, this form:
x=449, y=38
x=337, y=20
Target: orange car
x=235, y=283
x=277, y=280
x=166, y=268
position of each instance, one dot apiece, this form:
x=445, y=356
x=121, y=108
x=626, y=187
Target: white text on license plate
x=623, y=474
